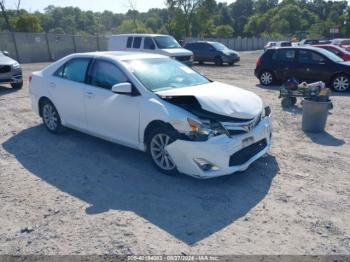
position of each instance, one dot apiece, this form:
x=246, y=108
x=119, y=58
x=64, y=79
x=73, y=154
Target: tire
x=266, y=78
x=340, y=83
x=51, y=118
x=156, y=140
x=218, y=61
x=287, y=102
x=18, y=85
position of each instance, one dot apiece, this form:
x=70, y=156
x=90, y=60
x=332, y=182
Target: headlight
x=16, y=65
x=203, y=130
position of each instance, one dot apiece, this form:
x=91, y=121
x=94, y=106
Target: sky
x=116, y=6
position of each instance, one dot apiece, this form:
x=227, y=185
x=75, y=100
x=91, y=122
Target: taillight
x=258, y=62
x=30, y=78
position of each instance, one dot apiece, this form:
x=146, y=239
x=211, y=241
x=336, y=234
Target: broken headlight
x=201, y=131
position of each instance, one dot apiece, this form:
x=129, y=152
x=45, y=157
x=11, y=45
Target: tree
x=225, y=31
x=189, y=8
x=28, y=23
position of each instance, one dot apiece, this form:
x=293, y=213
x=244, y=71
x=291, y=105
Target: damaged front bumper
x=222, y=155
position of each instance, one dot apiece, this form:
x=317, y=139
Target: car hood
x=5, y=60
x=221, y=99
x=176, y=52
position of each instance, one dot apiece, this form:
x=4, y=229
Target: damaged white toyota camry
x=184, y=121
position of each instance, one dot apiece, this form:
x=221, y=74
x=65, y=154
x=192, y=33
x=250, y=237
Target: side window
x=129, y=42
x=207, y=47
x=105, y=74
x=74, y=70
x=148, y=43
x=137, y=42
x=286, y=55
x=333, y=50
x=309, y=57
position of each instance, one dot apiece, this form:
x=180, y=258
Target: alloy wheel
x=159, y=154
x=266, y=78
x=50, y=117
x=341, y=83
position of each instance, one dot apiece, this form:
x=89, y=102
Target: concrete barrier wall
x=42, y=47
x=239, y=44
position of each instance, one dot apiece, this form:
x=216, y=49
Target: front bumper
x=218, y=151
x=230, y=59
x=14, y=76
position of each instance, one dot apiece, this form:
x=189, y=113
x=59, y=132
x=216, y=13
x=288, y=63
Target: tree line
x=197, y=18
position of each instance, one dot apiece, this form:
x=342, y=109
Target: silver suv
x=10, y=71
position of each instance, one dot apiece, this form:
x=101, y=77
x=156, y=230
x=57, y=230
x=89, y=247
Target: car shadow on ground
x=325, y=139
x=208, y=64
x=275, y=87
x=6, y=90
x=109, y=176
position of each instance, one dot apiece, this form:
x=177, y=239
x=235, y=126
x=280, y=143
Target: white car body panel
x=123, y=118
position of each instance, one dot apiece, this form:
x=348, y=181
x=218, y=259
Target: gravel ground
x=75, y=194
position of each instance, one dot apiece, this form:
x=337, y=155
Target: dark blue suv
x=212, y=52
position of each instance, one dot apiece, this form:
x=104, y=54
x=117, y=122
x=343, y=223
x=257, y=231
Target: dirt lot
x=75, y=194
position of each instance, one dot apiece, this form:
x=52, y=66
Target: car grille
x=183, y=58
x=5, y=69
x=242, y=128
x=243, y=155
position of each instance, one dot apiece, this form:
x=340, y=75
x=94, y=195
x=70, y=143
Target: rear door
x=67, y=88
x=284, y=62
x=313, y=66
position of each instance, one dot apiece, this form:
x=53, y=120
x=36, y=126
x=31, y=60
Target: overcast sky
x=116, y=6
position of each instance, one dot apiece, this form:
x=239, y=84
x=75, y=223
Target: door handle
x=89, y=94
x=52, y=84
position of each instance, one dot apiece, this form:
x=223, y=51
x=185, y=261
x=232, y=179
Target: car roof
x=119, y=55
x=141, y=35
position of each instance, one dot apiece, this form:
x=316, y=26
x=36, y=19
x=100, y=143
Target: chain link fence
x=42, y=47
x=239, y=43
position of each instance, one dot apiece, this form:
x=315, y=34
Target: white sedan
x=184, y=121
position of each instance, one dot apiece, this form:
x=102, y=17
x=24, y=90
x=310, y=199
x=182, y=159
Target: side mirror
x=5, y=53
x=122, y=88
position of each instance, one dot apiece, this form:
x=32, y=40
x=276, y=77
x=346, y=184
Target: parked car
x=304, y=63
x=277, y=44
x=149, y=102
x=341, y=52
x=309, y=42
x=216, y=52
x=10, y=71
x=151, y=43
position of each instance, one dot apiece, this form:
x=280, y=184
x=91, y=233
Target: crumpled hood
x=222, y=99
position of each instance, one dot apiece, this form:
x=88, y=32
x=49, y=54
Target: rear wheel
x=218, y=61
x=18, y=85
x=266, y=78
x=341, y=83
x=51, y=118
x=158, y=140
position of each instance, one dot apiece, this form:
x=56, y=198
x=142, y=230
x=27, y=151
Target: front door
x=109, y=115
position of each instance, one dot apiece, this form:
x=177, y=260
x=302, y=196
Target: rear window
x=129, y=42
x=286, y=55
x=286, y=44
x=137, y=42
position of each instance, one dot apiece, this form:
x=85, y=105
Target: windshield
x=330, y=55
x=166, y=42
x=345, y=42
x=162, y=74
x=219, y=46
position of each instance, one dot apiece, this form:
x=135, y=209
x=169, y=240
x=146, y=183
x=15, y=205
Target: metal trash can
x=315, y=115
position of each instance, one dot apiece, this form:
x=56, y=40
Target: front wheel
x=18, y=85
x=266, y=78
x=341, y=83
x=218, y=61
x=51, y=118
x=158, y=141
